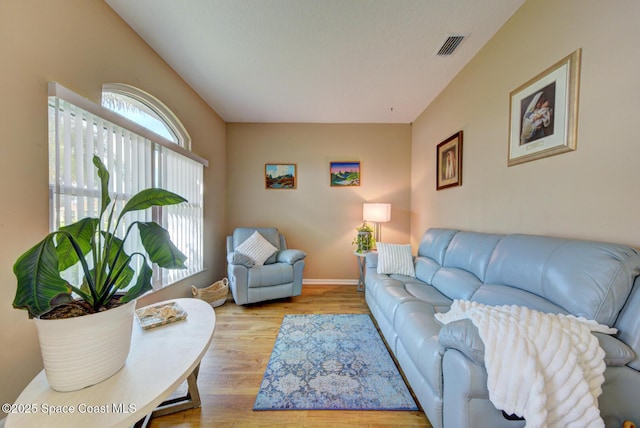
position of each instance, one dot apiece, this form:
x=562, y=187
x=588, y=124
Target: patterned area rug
x=331, y=362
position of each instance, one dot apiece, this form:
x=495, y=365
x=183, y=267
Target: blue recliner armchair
x=252, y=279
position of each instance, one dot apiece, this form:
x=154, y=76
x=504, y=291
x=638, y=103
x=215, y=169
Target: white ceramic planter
x=82, y=351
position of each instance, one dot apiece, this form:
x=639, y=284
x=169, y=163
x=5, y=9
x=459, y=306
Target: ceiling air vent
x=450, y=44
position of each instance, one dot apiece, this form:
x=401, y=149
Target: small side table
x=160, y=359
x=362, y=264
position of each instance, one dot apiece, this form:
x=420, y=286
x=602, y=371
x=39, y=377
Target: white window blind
x=136, y=159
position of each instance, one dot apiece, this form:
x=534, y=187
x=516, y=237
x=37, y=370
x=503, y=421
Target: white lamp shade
x=377, y=213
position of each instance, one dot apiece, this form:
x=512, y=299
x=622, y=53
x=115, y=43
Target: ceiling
x=322, y=61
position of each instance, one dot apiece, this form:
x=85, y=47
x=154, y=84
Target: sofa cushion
x=492, y=294
x=395, y=259
x=271, y=234
x=428, y=294
x=257, y=248
x=588, y=279
x=434, y=243
x=426, y=268
x=471, y=251
x=456, y=283
x=390, y=295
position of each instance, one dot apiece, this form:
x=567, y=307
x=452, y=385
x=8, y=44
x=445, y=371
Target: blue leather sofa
x=444, y=365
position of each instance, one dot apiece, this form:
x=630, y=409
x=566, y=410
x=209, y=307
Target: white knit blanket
x=547, y=368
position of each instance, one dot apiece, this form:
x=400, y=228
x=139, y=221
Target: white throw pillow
x=257, y=248
x=395, y=259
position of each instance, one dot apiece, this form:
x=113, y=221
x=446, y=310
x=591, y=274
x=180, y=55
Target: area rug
x=331, y=362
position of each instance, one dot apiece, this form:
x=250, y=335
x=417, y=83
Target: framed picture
x=449, y=162
x=543, y=113
x=280, y=176
x=345, y=174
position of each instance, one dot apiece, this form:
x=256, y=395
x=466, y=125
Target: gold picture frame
x=543, y=113
x=280, y=176
x=344, y=173
x=449, y=162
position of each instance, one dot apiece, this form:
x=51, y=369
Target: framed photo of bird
x=449, y=162
x=543, y=113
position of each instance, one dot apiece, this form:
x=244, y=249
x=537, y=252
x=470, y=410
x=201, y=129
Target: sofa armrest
x=290, y=256
x=463, y=336
x=372, y=260
x=235, y=258
x=616, y=352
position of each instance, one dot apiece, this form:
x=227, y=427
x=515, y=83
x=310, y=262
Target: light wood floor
x=232, y=369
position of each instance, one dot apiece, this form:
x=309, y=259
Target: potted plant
x=364, y=240
x=79, y=324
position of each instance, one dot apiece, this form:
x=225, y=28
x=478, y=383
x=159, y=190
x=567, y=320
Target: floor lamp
x=376, y=214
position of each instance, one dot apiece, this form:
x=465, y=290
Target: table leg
x=189, y=401
x=361, y=267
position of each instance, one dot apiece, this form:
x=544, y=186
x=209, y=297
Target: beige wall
x=81, y=44
x=316, y=217
x=590, y=193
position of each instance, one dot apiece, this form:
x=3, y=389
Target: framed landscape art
x=449, y=162
x=280, y=176
x=345, y=174
x=543, y=113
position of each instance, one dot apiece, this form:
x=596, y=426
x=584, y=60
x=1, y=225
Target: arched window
x=143, y=145
x=146, y=110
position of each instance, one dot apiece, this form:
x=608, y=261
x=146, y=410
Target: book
x=157, y=315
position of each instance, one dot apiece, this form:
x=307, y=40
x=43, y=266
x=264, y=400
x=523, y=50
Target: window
x=136, y=159
x=146, y=110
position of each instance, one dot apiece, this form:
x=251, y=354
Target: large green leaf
x=83, y=232
x=143, y=284
x=151, y=198
x=157, y=243
x=103, y=173
x=39, y=281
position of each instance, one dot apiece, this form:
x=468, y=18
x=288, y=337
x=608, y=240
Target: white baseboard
x=329, y=282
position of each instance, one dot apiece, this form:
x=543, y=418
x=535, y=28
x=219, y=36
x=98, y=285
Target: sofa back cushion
x=426, y=268
x=434, y=244
x=464, y=264
x=589, y=279
x=471, y=251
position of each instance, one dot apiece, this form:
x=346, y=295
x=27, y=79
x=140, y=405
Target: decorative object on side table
x=364, y=239
x=156, y=315
x=449, y=162
x=91, y=323
x=543, y=114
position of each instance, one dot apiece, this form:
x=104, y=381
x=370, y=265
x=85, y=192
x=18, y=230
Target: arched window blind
x=136, y=159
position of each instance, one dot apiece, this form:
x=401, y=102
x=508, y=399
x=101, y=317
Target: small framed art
x=280, y=176
x=345, y=174
x=449, y=162
x=543, y=113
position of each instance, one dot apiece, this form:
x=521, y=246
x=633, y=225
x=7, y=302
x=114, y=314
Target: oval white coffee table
x=160, y=359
